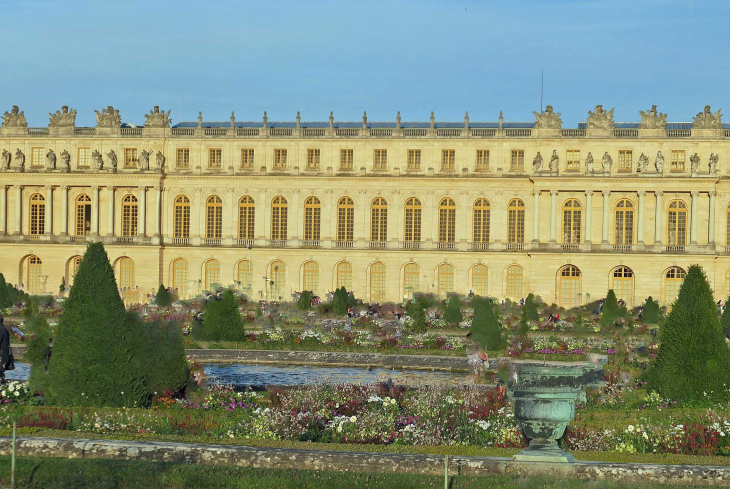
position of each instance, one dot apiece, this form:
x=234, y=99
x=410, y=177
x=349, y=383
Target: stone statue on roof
x=589, y=163
x=537, y=163
x=144, y=159
x=157, y=118
x=6, y=157
x=63, y=117
x=694, y=163
x=659, y=162
x=548, y=119
x=19, y=160
x=66, y=158
x=112, y=159
x=364, y=120
x=554, y=162
x=160, y=160
x=14, y=118
x=600, y=119
x=607, y=162
x=642, y=164
x=50, y=160
x=713, y=162
x=108, y=117
x=651, y=119
x=97, y=160
x=708, y=120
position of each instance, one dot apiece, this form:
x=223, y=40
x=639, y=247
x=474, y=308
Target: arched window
x=130, y=295
x=569, y=287
x=514, y=282
x=35, y=271
x=480, y=280
x=244, y=275
x=571, y=221
x=447, y=220
x=74, y=267
x=344, y=275
x=246, y=211
x=310, y=279
x=312, y=219
x=277, y=280
x=278, y=218
x=445, y=279
x=345, y=219
x=129, y=215
x=180, y=277
x=214, y=218
x=622, y=283
x=411, y=277
x=83, y=215
x=379, y=220
x=181, y=224
x=212, y=275
x=673, y=279
x=480, y=218
x=516, y=221
x=37, y=215
x=413, y=221
x=624, y=216
x=377, y=283
x=677, y=223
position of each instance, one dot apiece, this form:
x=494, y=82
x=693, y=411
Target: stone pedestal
x=546, y=173
x=652, y=133
x=547, y=133
x=599, y=133
x=61, y=131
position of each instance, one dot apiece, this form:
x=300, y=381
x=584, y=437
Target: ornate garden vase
x=544, y=404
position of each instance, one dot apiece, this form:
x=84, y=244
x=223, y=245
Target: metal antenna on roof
x=542, y=78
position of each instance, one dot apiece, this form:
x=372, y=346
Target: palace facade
x=385, y=209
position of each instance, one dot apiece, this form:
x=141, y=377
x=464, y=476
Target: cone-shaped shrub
x=531, y=305
x=485, y=330
x=305, y=301
x=610, y=308
x=166, y=368
x=4, y=299
x=222, y=321
x=95, y=359
x=725, y=318
x=693, y=360
x=651, y=312
x=452, y=314
x=163, y=297
x=339, y=301
x=524, y=327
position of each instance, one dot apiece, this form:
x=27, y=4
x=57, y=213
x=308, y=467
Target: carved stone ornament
x=66, y=159
x=364, y=120
x=713, y=162
x=157, y=118
x=589, y=163
x=537, y=162
x=659, y=162
x=607, y=162
x=548, y=119
x=642, y=164
x=160, y=160
x=651, y=119
x=112, y=159
x=63, y=117
x=97, y=160
x=50, y=160
x=554, y=162
x=14, y=118
x=6, y=157
x=600, y=119
x=144, y=160
x=108, y=117
x=694, y=163
x=19, y=160
x=708, y=120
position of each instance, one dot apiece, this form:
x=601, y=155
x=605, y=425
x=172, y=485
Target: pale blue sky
x=380, y=56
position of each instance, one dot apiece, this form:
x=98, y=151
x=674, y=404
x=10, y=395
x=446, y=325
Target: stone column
x=158, y=212
x=142, y=217
x=3, y=209
x=711, y=224
x=658, y=220
x=536, y=218
x=110, y=209
x=589, y=212
x=693, y=224
x=553, y=215
x=18, y=209
x=604, y=237
x=640, y=224
x=95, y=211
x=64, y=210
x=49, y=211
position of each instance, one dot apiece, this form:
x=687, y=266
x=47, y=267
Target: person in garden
x=4, y=349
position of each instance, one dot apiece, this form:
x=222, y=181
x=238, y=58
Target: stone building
x=384, y=208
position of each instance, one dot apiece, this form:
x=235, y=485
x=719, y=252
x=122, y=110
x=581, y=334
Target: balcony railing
x=411, y=245
x=84, y=131
x=247, y=132
x=182, y=131
x=310, y=243
x=378, y=245
x=727, y=249
x=518, y=133
x=449, y=133
x=573, y=133
x=314, y=132
x=415, y=133
x=278, y=243
x=569, y=246
x=77, y=239
x=621, y=248
x=675, y=249
x=247, y=243
x=181, y=241
x=515, y=246
x=626, y=133
x=445, y=245
x=212, y=241
x=281, y=131
x=679, y=133
x=37, y=131
x=215, y=131
x=344, y=244
x=347, y=132
x=31, y=237
x=381, y=132
x=131, y=131
x=124, y=239
x=481, y=132
x=480, y=246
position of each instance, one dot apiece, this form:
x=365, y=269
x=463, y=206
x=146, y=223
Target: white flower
x=17, y=393
x=4, y=393
x=392, y=401
x=354, y=418
x=385, y=403
x=646, y=437
x=630, y=428
x=339, y=429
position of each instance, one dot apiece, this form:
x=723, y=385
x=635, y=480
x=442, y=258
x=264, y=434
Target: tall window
x=130, y=295
x=414, y=159
x=180, y=277
x=35, y=271
x=247, y=158
x=344, y=275
x=445, y=279
x=569, y=286
x=279, y=159
x=516, y=221
x=411, y=278
x=345, y=219
x=480, y=280
x=379, y=220
x=215, y=158
x=246, y=216
x=447, y=220
x=677, y=223
x=673, y=279
x=312, y=218
x=310, y=279
x=74, y=267
x=624, y=230
x=571, y=221
x=130, y=157
x=517, y=160
x=380, y=159
x=572, y=160
x=129, y=215
x=480, y=218
x=482, y=162
x=677, y=160
x=84, y=158
x=37, y=157
x=625, y=157
x=182, y=158
x=245, y=275
x=214, y=217
x=377, y=283
x=413, y=220
x=622, y=284
x=347, y=157
x=212, y=274
x=83, y=215
x=727, y=227
x=448, y=159
x=277, y=280
x=313, y=159
x=181, y=223
x=514, y=282
x=278, y=218
x=37, y=215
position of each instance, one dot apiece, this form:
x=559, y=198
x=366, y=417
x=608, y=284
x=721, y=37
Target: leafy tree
x=452, y=314
x=651, y=312
x=485, y=329
x=725, y=318
x=305, y=301
x=693, y=360
x=222, y=321
x=610, y=311
x=163, y=297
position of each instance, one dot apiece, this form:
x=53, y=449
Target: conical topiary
x=452, y=314
x=725, y=318
x=163, y=297
x=485, y=329
x=651, y=312
x=693, y=361
x=4, y=299
x=610, y=308
x=222, y=321
x=531, y=305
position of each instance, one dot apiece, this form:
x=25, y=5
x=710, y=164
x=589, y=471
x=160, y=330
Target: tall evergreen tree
x=452, y=314
x=531, y=305
x=610, y=310
x=693, y=359
x=485, y=329
x=222, y=321
x=725, y=318
x=305, y=301
x=163, y=297
x=524, y=327
x=4, y=299
x=339, y=301
x=651, y=312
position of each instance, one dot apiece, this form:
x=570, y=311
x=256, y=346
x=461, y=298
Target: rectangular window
x=380, y=159
x=517, y=160
x=84, y=160
x=182, y=159
x=625, y=157
x=215, y=158
x=346, y=159
x=130, y=157
x=448, y=159
x=572, y=160
x=482, y=160
x=280, y=159
x=247, y=158
x=414, y=159
x=677, y=161
x=313, y=159
x=36, y=157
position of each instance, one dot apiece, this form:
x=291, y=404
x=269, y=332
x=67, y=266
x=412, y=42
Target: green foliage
x=485, y=330
x=693, y=360
x=524, y=327
x=725, y=318
x=163, y=297
x=165, y=365
x=452, y=314
x=5, y=301
x=305, y=301
x=416, y=309
x=340, y=301
x=651, y=312
x=222, y=321
x=611, y=311
x=39, y=348
x=579, y=326
x=531, y=305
